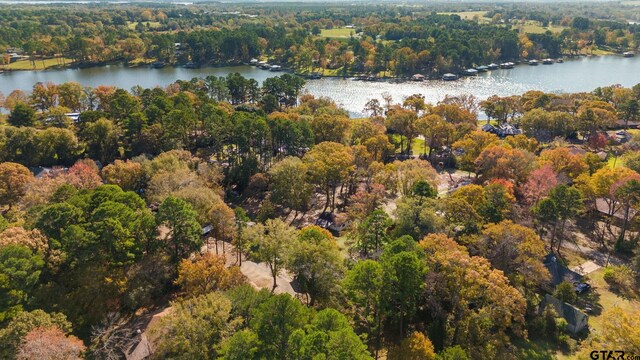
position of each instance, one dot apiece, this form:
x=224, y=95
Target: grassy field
x=152, y=24
x=597, y=51
x=534, y=27
x=607, y=300
x=467, y=15
x=337, y=33
x=39, y=64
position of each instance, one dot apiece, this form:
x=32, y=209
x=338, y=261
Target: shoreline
x=149, y=65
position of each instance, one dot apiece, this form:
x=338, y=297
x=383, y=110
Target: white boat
x=470, y=72
x=449, y=77
x=507, y=65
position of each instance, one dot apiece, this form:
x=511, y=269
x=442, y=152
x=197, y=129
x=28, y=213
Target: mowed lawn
x=337, y=33
x=39, y=64
x=608, y=300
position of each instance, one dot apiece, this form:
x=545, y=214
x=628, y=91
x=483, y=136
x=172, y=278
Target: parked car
x=581, y=287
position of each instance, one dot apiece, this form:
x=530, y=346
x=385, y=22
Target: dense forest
x=216, y=218
x=384, y=40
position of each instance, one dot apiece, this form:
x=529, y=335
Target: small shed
x=576, y=319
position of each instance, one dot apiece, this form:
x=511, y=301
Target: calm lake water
x=579, y=75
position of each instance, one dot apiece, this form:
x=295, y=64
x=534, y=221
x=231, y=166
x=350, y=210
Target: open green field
x=534, y=27
x=152, y=24
x=337, y=33
x=40, y=64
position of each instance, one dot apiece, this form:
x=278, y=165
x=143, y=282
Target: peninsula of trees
x=340, y=40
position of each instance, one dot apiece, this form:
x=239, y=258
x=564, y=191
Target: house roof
x=608, y=208
x=489, y=128
x=206, y=230
x=558, y=271
x=570, y=313
x=508, y=129
x=574, y=150
x=41, y=171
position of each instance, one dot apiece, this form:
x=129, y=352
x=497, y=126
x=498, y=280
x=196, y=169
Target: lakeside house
x=75, y=117
x=502, y=130
x=13, y=57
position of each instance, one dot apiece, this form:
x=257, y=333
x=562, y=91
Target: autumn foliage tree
x=462, y=290
x=498, y=162
x=84, y=174
x=14, y=179
x=515, y=249
x=329, y=165
x=471, y=145
x=415, y=347
x=539, y=183
x=562, y=161
x=206, y=273
x=50, y=344
x=128, y=175
x=13, y=334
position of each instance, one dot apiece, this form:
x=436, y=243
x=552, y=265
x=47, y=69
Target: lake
x=574, y=75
